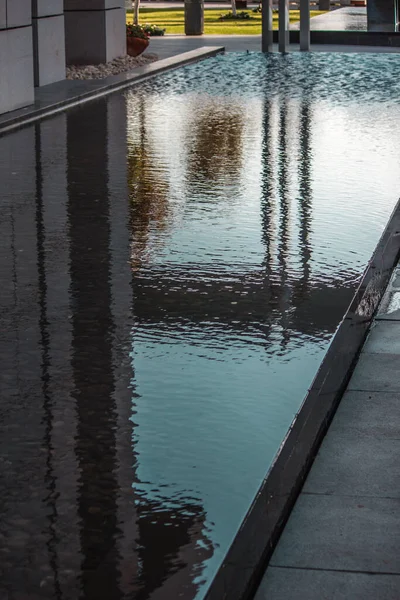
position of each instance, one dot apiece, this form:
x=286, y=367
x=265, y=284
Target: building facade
x=39, y=37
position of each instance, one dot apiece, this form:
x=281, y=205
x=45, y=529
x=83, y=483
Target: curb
x=247, y=559
x=96, y=88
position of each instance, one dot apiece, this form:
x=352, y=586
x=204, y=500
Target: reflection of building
x=71, y=522
x=37, y=38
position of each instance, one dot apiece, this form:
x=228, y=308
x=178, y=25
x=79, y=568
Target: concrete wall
x=16, y=54
x=49, y=41
x=38, y=38
x=94, y=30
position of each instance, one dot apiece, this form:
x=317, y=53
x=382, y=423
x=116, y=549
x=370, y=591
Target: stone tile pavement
x=342, y=540
x=350, y=18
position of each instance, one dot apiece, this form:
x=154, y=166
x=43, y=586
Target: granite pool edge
x=245, y=563
x=96, y=88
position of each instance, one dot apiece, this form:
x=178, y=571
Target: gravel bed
x=118, y=65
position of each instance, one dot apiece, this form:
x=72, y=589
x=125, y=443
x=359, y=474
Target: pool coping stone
x=246, y=560
x=57, y=97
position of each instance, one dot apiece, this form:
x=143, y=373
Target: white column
x=16, y=55
x=194, y=17
x=94, y=30
x=266, y=26
x=304, y=24
x=283, y=25
x=48, y=41
x=325, y=4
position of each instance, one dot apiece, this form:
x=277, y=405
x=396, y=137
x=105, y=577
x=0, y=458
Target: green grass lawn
x=172, y=19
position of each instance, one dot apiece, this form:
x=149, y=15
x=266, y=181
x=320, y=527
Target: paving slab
x=376, y=373
x=351, y=463
x=342, y=539
x=304, y=584
x=373, y=414
x=342, y=534
x=349, y=18
x=384, y=338
x=390, y=305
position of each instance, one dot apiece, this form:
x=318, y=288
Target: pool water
x=175, y=260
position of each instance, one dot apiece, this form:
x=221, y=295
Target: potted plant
x=137, y=40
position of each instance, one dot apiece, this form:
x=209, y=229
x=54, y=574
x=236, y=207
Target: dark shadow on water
x=72, y=523
x=49, y=479
x=92, y=327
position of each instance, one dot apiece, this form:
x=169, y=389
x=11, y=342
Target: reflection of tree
x=172, y=543
x=148, y=191
x=215, y=137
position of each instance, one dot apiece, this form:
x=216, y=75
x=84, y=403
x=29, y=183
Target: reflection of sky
x=213, y=402
x=213, y=434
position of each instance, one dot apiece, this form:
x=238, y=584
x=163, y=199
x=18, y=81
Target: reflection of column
x=305, y=201
x=267, y=183
x=121, y=282
x=22, y=425
x=94, y=31
x=284, y=234
x=92, y=347
x=63, y=543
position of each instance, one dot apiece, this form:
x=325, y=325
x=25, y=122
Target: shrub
x=153, y=30
x=241, y=16
x=136, y=31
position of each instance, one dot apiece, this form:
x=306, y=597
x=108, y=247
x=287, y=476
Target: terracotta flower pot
x=135, y=46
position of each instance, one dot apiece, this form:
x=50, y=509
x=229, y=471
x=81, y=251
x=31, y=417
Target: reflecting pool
x=174, y=262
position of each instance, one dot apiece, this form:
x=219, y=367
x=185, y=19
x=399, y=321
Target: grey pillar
x=304, y=25
x=266, y=26
x=94, y=30
x=382, y=15
x=194, y=17
x=48, y=41
x=324, y=4
x=16, y=55
x=283, y=25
